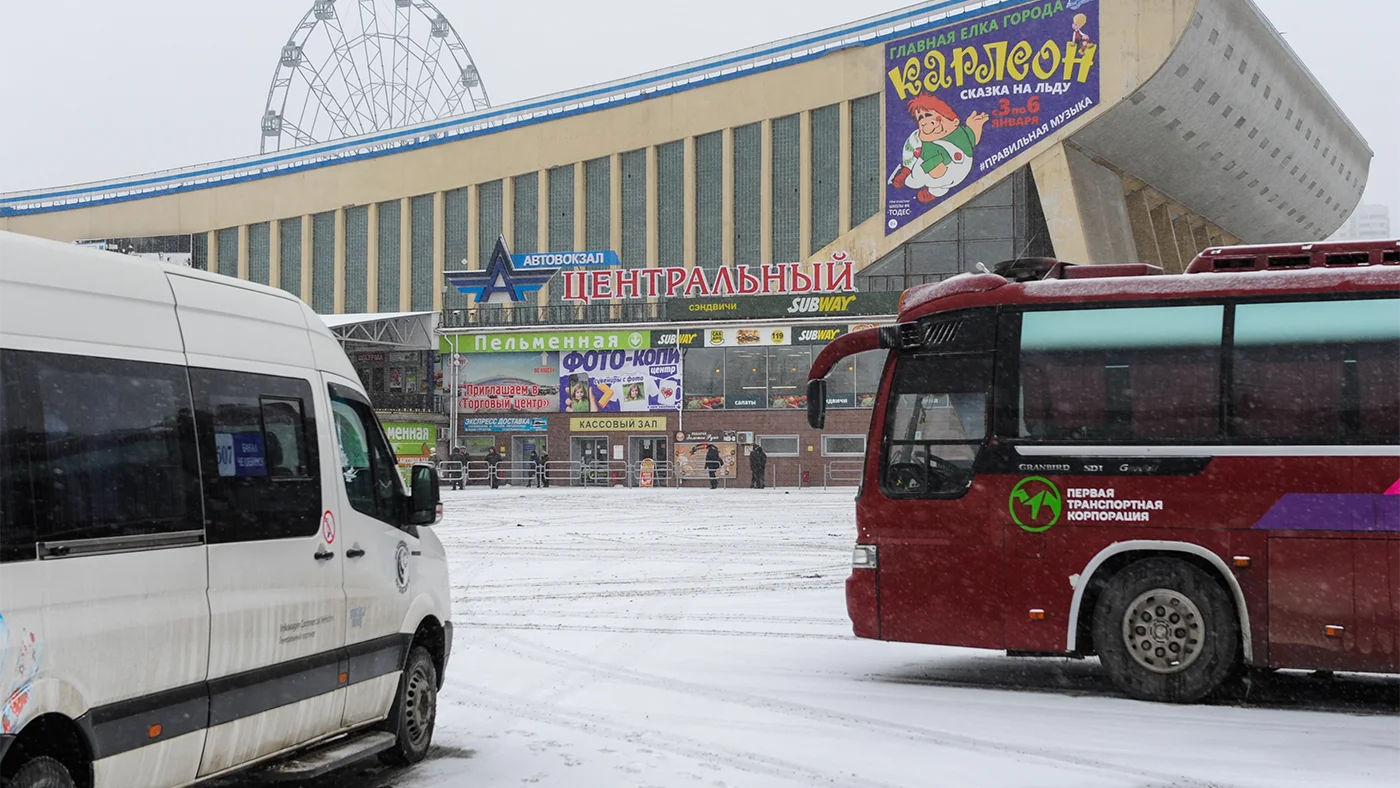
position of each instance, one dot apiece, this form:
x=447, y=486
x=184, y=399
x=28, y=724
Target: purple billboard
x=962, y=98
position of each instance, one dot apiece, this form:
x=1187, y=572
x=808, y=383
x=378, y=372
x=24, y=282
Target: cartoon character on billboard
x=1081, y=38
x=939, y=154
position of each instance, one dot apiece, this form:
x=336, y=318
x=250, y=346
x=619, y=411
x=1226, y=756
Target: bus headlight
x=863, y=557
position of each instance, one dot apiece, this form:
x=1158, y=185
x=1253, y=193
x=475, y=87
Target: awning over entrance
x=403, y=330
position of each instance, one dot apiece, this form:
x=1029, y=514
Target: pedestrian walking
x=758, y=464
x=493, y=461
x=460, y=456
x=712, y=464
x=544, y=469
x=536, y=470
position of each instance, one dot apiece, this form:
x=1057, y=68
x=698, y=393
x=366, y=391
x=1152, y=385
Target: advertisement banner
x=816, y=335
x=616, y=381
x=690, y=460
x=617, y=424
x=768, y=307
x=761, y=336
x=963, y=98
x=553, y=341
x=497, y=424
x=411, y=442
x=510, y=382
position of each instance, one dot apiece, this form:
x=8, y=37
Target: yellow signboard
x=617, y=423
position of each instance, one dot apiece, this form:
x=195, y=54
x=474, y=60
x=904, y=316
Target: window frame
x=796, y=439
x=864, y=439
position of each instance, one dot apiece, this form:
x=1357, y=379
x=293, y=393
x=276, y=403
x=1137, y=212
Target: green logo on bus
x=1039, y=500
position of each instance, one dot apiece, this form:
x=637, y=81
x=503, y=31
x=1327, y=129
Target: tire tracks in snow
x=527, y=649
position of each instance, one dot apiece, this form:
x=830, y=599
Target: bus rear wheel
x=1165, y=631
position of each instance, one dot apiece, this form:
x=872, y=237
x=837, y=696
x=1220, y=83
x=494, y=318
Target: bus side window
x=1121, y=375
x=937, y=423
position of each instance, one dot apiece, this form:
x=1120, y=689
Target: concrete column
x=274, y=253
x=306, y=270
x=1140, y=219
x=1056, y=187
x=1166, y=239
x=727, y=195
x=765, y=169
x=804, y=185
x=339, y=304
x=542, y=230
x=844, y=178
x=372, y=259
x=653, y=206
x=439, y=247
x=689, y=179
x=243, y=252
x=405, y=254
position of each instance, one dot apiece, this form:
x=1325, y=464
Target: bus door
x=939, y=536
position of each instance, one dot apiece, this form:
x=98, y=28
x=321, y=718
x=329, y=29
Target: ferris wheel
x=358, y=66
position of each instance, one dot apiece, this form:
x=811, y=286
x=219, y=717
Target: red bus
x=1183, y=475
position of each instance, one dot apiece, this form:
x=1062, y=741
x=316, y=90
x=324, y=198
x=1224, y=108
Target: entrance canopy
x=402, y=330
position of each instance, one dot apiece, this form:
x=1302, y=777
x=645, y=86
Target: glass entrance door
x=654, y=448
x=591, y=454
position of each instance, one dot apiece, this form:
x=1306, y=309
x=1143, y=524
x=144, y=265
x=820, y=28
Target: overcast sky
x=92, y=90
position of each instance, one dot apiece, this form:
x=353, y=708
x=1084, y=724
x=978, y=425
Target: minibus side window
x=368, y=467
x=17, y=536
x=258, y=445
x=109, y=446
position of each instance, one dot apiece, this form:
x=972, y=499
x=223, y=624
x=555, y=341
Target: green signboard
x=545, y=341
x=411, y=442
x=785, y=306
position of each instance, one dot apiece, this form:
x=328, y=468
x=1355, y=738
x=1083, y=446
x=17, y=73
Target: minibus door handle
x=354, y=552
x=324, y=555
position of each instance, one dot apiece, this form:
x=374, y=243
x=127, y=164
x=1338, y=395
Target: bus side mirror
x=816, y=403
x=425, y=497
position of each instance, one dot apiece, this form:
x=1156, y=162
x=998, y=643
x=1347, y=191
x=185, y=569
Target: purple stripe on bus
x=1333, y=512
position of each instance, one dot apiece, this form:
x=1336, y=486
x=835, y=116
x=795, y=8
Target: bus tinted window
x=108, y=443
x=937, y=421
x=16, y=499
x=1121, y=375
x=1317, y=371
x=258, y=443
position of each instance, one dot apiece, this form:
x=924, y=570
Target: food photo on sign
x=613, y=381
x=962, y=99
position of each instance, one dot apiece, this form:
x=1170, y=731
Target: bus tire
x=1166, y=631
x=42, y=772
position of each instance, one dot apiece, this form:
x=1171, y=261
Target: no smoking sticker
x=328, y=527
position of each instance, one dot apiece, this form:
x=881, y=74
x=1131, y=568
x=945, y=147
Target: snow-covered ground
x=613, y=637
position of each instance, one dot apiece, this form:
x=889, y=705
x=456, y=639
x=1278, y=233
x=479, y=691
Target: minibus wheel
x=415, y=710
x=42, y=772
x=1166, y=631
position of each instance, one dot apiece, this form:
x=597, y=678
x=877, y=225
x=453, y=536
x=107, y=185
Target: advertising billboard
x=963, y=98
x=616, y=381
x=506, y=382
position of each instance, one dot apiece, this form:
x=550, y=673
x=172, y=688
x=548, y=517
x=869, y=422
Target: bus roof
x=1249, y=270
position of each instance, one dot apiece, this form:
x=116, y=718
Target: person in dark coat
x=544, y=469
x=460, y=456
x=758, y=463
x=537, y=469
x=493, y=460
x=712, y=464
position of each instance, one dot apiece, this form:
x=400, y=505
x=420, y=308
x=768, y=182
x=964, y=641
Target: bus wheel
x=44, y=772
x=1165, y=631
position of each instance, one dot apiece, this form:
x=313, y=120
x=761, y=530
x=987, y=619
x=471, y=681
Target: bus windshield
x=937, y=420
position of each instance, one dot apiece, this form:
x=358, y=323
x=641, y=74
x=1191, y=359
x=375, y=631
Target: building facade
x=904, y=148
x=1367, y=223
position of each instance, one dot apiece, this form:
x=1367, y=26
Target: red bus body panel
x=1309, y=541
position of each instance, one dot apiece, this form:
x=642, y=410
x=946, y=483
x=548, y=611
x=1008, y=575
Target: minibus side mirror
x=425, y=497
x=816, y=403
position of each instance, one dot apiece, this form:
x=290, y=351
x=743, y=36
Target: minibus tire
x=1167, y=602
x=415, y=710
x=42, y=772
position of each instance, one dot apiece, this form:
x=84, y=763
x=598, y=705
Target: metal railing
x=554, y=314
x=617, y=473
x=843, y=472
x=797, y=49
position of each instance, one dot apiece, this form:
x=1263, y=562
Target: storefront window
x=870, y=366
x=787, y=371
x=703, y=379
x=841, y=384
x=746, y=376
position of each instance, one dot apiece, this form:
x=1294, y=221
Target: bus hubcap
x=1162, y=630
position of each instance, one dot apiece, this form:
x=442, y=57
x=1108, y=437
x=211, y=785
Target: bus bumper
x=863, y=604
